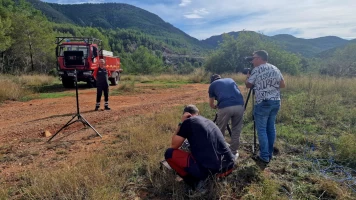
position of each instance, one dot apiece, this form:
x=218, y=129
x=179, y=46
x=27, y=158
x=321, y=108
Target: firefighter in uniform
x=101, y=75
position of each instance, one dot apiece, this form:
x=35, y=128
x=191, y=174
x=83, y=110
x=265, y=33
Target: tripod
x=80, y=118
x=254, y=147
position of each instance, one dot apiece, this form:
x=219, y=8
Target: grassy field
x=316, y=129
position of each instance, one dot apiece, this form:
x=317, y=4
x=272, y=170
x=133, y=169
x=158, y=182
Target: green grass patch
x=168, y=82
x=157, y=86
x=54, y=95
x=46, y=96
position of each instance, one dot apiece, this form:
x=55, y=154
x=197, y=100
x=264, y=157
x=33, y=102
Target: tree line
x=27, y=43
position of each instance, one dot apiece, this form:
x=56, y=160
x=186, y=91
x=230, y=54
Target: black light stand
x=80, y=118
x=254, y=147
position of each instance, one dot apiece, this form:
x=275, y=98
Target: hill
x=305, y=47
x=309, y=47
x=330, y=52
x=118, y=15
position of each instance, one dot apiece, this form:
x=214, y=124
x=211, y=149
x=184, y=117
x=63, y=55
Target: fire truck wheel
x=115, y=81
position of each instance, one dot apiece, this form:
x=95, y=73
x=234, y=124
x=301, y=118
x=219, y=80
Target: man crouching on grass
x=210, y=155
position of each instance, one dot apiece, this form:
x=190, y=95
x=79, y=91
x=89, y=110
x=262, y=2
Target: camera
x=246, y=71
x=248, y=58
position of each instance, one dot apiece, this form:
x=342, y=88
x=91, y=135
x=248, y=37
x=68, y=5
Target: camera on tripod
x=248, y=58
x=246, y=71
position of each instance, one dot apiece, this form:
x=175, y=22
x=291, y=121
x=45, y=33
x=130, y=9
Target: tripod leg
x=254, y=127
x=228, y=129
x=67, y=124
x=87, y=123
x=254, y=138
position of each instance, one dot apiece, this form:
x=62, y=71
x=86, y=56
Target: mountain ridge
x=305, y=47
x=126, y=16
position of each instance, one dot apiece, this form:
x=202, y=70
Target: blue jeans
x=265, y=114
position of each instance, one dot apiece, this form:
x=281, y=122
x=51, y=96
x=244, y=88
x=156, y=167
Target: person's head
x=102, y=63
x=192, y=109
x=214, y=77
x=259, y=57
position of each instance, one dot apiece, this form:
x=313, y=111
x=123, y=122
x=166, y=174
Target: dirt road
x=22, y=124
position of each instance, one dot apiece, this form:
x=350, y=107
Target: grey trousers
x=235, y=114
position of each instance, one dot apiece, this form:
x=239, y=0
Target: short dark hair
x=262, y=53
x=192, y=109
x=214, y=77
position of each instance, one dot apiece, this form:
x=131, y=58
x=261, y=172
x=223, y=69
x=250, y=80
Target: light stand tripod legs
x=80, y=117
x=85, y=122
x=67, y=124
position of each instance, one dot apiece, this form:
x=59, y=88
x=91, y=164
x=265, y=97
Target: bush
x=11, y=90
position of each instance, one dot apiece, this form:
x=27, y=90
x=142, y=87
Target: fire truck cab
x=83, y=54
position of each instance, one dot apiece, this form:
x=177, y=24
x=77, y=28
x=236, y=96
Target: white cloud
x=202, y=11
x=196, y=14
x=192, y=16
x=306, y=19
x=185, y=3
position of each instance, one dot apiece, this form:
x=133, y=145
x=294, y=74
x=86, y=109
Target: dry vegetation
x=312, y=107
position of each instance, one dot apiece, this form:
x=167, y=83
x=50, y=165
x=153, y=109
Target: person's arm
x=250, y=79
x=211, y=103
x=178, y=140
x=282, y=84
x=248, y=84
x=95, y=72
x=212, y=96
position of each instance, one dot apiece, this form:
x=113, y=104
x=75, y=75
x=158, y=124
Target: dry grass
x=156, y=78
x=18, y=87
x=125, y=168
x=127, y=87
x=265, y=190
x=238, y=77
x=198, y=76
x=11, y=90
x=36, y=80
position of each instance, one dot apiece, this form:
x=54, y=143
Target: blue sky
x=205, y=18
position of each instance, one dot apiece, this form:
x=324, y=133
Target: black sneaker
x=107, y=108
x=200, y=190
x=259, y=162
x=96, y=108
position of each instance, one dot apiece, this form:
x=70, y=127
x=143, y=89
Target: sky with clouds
x=205, y=18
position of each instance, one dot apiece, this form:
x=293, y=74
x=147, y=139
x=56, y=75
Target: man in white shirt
x=266, y=80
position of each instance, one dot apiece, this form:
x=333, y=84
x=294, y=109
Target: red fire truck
x=82, y=54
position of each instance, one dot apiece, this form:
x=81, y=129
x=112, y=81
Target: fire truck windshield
x=64, y=48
